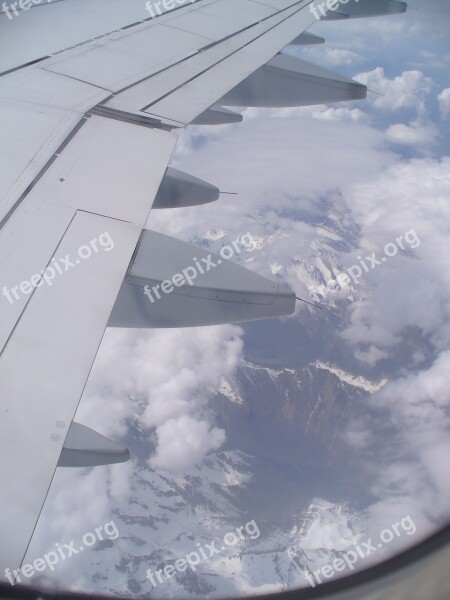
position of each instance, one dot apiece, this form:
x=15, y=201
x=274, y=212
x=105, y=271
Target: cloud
x=332, y=165
x=329, y=113
x=161, y=381
x=406, y=91
x=383, y=196
x=418, y=403
x=338, y=56
x=183, y=442
x=246, y=159
x=411, y=289
x=333, y=57
x=416, y=134
x=320, y=111
x=405, y=319
x=370, y=355
x=444, y=103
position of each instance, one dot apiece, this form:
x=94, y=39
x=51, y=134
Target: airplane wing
x=92, y=94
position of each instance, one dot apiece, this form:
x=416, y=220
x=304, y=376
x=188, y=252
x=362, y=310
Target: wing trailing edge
x=171, y=283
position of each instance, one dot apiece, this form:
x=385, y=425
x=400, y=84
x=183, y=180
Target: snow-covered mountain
x=286, y=464
x=283, y=425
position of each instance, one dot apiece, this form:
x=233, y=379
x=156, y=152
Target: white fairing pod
x=178, y=190
x=165, y=287
x=307, y=39
x=217, y=115
x=84, y=447
x=356, y=9
x=289, y=81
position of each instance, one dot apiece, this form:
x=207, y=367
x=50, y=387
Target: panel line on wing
x=42, y=172
x=224, y=58
x=28, y=64
x=29, y=299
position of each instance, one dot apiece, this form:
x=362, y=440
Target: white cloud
x=444, y=103
x=409, y=297
x=411, y=289
x=330, y=113
x=337, y=56
x=418, y=404
x=183, y=442
x=173, y=372
x=417, y=134
x=318, y=156
x=320, y=111
x=408, y=90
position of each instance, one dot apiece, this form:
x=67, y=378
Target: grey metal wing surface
x=91, y=97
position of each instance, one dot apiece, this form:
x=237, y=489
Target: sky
x=379, y=168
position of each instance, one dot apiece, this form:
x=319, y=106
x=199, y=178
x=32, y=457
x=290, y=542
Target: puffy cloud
x=408, y=307
x=418, y=403
x=161, y=380
x=408, y=90
x=444, y=103
x=422, y=397
x=410, y=289
x=416, y=134
x=183, y=442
